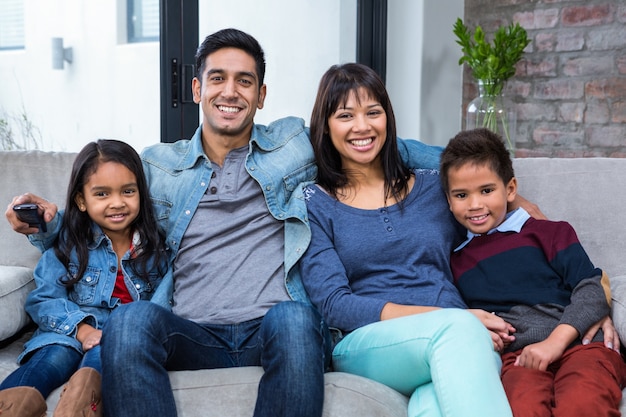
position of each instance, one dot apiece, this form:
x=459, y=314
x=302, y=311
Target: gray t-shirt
x=229, y=268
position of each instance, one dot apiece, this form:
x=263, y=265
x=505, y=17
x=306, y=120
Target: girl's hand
x=88, y=336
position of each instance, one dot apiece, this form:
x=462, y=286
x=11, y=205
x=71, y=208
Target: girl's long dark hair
x=334, y=90
x=76, y=231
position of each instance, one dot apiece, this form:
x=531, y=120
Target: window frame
x=134, y=9
x=8, y=22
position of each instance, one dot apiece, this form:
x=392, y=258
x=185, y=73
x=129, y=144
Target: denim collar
x=259, y=137
x=513, y=222
x=99, y=238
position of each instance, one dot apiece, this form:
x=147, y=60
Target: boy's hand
x=48, y=209
x=539, y=355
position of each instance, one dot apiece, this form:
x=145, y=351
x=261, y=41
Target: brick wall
x=570, y=86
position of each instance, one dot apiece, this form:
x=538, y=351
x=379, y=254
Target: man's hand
x=48, y=209
x=611, y=337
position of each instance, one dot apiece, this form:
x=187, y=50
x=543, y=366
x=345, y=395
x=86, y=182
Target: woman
x=378, y=263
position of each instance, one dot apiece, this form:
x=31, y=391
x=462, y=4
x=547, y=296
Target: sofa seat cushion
x=15, y=284
x=233, y=392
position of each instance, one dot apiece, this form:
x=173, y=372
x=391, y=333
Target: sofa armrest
x=15, y=284
x=618, y=305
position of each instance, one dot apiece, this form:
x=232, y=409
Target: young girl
x=108, y=252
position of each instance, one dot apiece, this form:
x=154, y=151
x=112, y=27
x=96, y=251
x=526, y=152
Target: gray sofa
x=589, y=193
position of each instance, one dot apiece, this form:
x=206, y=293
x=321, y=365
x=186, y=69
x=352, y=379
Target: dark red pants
x=587, y=381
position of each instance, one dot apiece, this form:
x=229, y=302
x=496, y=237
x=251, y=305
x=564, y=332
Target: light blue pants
x=444, y=360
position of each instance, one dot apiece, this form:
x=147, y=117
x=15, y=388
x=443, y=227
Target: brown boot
x=81, y=395
x=22, y=402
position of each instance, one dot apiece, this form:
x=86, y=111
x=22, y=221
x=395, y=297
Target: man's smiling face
x=229, y=93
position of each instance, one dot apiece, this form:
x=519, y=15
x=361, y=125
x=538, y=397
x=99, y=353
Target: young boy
x=535, y=275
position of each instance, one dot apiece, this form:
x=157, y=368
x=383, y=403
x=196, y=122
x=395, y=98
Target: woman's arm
x=392, y=310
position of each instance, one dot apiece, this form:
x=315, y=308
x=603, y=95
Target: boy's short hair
x=477, y=147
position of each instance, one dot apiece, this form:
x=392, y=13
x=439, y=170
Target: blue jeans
x=50, y=367
x=142, y=341
x=443, y=360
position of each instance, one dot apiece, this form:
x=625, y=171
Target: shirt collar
x=513, y=222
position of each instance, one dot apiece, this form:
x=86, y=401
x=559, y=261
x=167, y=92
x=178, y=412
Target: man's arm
x=418, y=155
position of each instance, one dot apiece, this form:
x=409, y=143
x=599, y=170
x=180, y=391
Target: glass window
x=143, y=20
x=11, y=24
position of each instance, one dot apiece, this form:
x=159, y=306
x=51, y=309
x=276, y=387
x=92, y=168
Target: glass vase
x=494, y=111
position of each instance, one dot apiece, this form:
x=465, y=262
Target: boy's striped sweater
x=535, y=279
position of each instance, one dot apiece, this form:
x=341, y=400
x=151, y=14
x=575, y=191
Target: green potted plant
x=492, y=64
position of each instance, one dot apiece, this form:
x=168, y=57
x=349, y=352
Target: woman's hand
x=501, y=331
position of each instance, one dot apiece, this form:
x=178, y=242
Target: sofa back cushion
x=43, y=173
x=590, y=194
x=587, y=192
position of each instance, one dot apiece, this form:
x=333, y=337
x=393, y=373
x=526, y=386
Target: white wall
x=301, y=40
x=424, y=79
x=111, y=90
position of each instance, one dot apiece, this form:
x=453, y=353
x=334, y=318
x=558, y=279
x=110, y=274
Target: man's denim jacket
x=57, y=310
x=280, y=159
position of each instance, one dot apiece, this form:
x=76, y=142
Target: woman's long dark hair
x=334, y=90
x=76, y=231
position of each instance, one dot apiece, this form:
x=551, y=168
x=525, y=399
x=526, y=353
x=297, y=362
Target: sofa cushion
x=15, y=284
x=233, y=392
x=42, y=173
x=586, y=192
x=618, y=295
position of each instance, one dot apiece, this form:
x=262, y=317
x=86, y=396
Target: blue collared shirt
x=513, y=222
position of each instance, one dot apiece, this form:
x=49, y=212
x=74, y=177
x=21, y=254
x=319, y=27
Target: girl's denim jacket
x=57, y=310
x=280, y=159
